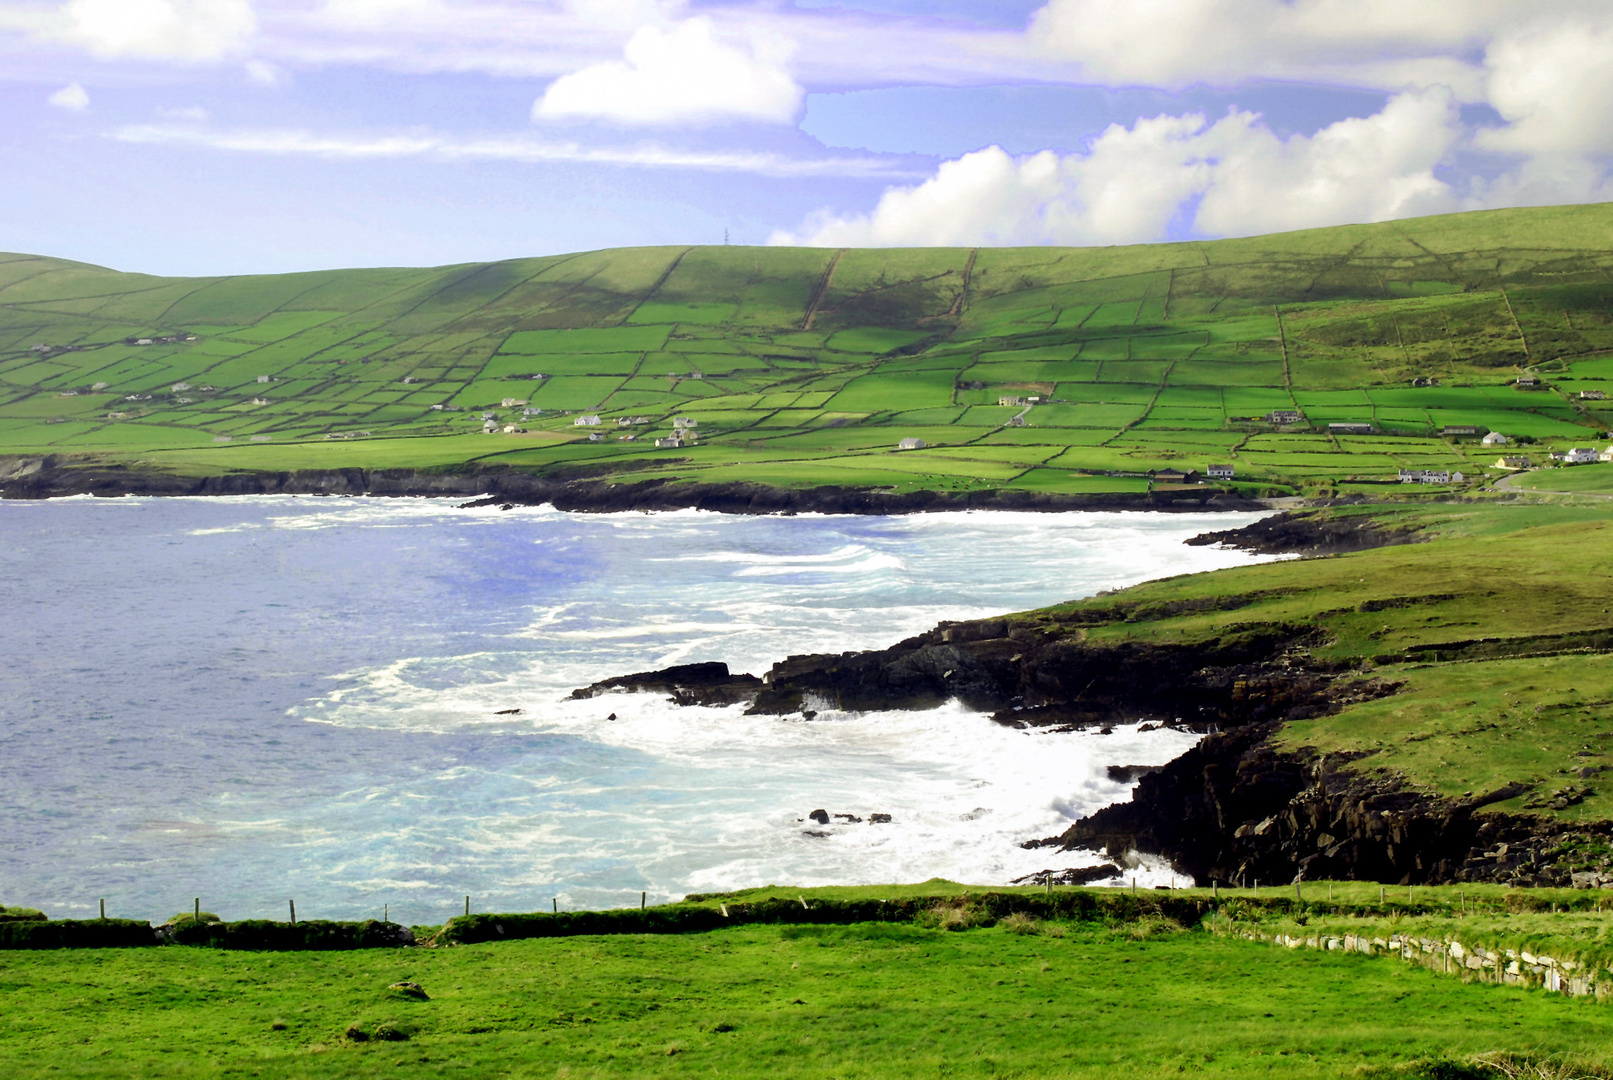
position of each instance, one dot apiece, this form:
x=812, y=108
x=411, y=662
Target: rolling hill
x=806, y=367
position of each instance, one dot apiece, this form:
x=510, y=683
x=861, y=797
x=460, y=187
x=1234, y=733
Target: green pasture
x=1021, y=998
x=1133, y=348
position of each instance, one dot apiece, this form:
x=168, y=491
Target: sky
x=235, y=136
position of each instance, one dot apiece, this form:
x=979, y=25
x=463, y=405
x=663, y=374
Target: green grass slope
x=806, y=366
x=866, y=1000
x=1498, y=632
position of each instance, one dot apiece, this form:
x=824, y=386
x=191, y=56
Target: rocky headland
x=1238, y=807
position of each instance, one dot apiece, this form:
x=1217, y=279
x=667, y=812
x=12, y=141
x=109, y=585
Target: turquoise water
x=256, y=699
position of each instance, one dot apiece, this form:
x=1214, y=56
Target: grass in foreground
x=858, y=1001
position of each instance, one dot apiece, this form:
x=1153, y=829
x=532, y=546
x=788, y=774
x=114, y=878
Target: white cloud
x=1389, y=44
x=167, y=29
x=1370, y=169
x=264, y=73
x=194, y=113
x=1133, y=181
x=377, y=13
x=425, y=144
x=684, y=74
x=72, y=97
x=1553, y=83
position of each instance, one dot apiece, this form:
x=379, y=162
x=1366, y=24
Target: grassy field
x=1018, y=999
x=1497, y=630
x=806, y=366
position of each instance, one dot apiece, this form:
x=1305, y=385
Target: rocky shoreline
x=54, y=477
x=1235, y=808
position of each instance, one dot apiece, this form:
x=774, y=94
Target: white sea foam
x=315, y=698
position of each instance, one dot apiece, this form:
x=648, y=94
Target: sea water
x=250, y=700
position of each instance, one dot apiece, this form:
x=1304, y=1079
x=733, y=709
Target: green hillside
x=806, y=366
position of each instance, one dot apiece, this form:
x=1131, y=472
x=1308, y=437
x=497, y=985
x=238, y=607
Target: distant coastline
x=44, y=477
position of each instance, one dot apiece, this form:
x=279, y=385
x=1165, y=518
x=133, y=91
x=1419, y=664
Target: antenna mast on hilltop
x=725, y=238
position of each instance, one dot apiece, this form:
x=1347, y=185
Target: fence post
x=555, y=900
x=198, y=915
x=293, y=904
x=643, y=899
x=467, y=905
x=103, y=907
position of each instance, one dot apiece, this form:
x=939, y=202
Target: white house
x=1495, y=438
x=1607, y=455
x=586, y=421
x=1593, y=395
x=515, y=429
x=1219, y=472
x=910, y=444
x=490, y=426
x=263, y=378
x=1011, y=401
x=510, y=403
x=1424, y=476
x=1581, y=455
x=1281, y=417
x=683, y=423
x=178, y=386
x=671, y=442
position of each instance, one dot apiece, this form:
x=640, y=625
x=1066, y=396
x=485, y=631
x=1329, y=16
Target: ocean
x=250, y=700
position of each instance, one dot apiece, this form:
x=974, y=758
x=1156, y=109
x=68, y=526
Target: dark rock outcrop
x=686, y=684
x=1235, y=809
x=1309, y=532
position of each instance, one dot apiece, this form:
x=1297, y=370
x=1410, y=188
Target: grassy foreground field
x=805, y=367
x=1019, y=999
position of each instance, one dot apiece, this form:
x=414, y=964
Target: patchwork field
x=805, y=366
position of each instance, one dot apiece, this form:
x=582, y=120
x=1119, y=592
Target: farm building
x=1424, y=382
x=1427, y=476
x=515, y=429
x=1512, y=461
x=1173, y=476
x=263, y=378
x=683, y=423
x=1014, y=421
x=1349, y=429
x=910, y=444
x=1593, y=395
x=510, y=403
x=594, y=436
x=1495, y=438
x=671, y=442
x=1528, y=381
x=490, y=426
x=1219, y=472
x=1010, y=401
x=1284, y=416
x=1461, y=431
x=1581, y=455
x=586, y=421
